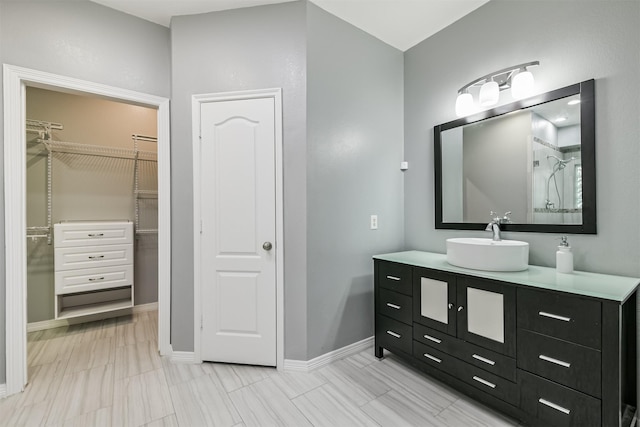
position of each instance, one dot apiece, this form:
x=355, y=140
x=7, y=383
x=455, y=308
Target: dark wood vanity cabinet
x=544, y=357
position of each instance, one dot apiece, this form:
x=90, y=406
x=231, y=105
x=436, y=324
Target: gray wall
x=83, y=40
x=355, y=146
x=251, y=48
x=574, y=41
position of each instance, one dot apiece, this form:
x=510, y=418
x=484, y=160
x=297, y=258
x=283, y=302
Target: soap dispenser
x=564, y=257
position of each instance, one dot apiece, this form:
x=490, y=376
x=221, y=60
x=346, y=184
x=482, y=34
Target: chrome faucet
x=494, y=225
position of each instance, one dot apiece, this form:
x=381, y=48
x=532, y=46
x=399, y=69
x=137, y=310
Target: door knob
x=267, y=246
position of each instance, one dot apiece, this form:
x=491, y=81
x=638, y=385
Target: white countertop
x=606, y=286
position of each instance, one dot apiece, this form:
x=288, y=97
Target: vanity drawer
x=562, y=316
x=396, y=277
x=490, y=361
x=92, y=256
x=394, y=305
x=566, y=363
x=551, y=404
x=392, y=334
x=90, y=233
x=492, y=384
x=434, y=357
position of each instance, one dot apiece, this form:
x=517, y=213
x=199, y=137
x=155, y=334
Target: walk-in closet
x=91, y=187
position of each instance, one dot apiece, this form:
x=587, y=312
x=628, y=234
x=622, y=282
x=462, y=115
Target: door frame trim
x=15, y=81
x=196, y=102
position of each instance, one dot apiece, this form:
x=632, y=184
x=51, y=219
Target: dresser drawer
x=551, y=404
x=566, y=363
x=562, y=316
x=93, y=279
x=436, y=339
x=92, y=256
x=91, y=233
x=396, y=277
x=392, y=334
x=394, y=305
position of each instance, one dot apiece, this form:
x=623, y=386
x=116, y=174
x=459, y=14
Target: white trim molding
x=184, y=357
x=57, y=323
x=15, y=81
x=323, y=360
x=3, y=391
x=196, y=101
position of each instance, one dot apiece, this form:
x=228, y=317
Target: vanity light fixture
x=518, y=78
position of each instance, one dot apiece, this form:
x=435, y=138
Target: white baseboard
x=3, y=391
x=187, y=357
x=320, y=361
x=56, y=323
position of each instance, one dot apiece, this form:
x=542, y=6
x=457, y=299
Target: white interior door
x=238, y=230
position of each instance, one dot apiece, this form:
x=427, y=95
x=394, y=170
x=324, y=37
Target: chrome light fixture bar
x=517, y=77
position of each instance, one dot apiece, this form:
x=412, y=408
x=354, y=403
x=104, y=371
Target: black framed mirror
x=534, y=158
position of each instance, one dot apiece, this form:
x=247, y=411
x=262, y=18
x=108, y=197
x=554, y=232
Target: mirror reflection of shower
x=559, y=165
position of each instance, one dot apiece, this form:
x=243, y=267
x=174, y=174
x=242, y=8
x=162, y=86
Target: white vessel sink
x=487, y=254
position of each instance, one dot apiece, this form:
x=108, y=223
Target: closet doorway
x=125, y=171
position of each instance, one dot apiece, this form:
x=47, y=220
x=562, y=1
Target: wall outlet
x=374, y=222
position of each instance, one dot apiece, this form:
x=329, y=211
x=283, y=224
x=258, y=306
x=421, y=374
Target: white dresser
x=93, y=267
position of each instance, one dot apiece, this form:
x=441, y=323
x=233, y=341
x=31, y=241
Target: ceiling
x=399, y=23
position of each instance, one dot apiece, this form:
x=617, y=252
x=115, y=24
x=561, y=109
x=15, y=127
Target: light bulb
x=522, y=85
x=489, y=94
x=464, y=104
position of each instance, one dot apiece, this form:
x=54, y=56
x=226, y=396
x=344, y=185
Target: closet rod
x=144, y=138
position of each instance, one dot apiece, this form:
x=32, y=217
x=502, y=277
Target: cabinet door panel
x=487, y=314
x=434, y=300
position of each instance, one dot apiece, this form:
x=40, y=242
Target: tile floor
x=108, y=373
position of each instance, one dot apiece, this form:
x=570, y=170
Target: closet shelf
x=147, y=231
x=98, y=150
x=147, y=194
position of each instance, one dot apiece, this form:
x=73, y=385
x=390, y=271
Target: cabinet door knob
x=460, y=308
x=450, y=306
x=267, y=246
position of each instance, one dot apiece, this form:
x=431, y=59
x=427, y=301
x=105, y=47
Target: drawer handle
x=393, y=278
x=485, y=382
x=554, y=316
x=435, y=340
x=397, y=307
x=393, y=334
x=96, y=256
x=93, y=279
x=95, y=234
x=556, y=361
x=554, y=406
x=484, y=359
x=435, y=359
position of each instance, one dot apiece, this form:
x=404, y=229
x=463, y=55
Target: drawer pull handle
x=435, y=359
x=554, y=316
x=556, y=361
x=93, y=279
x=484, y=359
x=485, y=382
x=95, y=234
x=435, y=340
x=393, y=334
x=393, y=278
x=554, y=406
x=96, y=257
x=397, y=307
